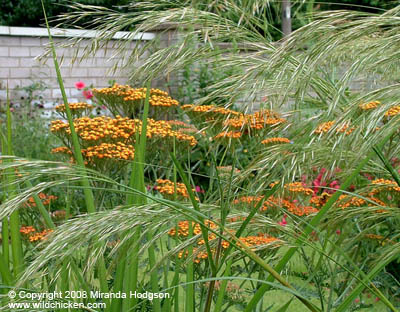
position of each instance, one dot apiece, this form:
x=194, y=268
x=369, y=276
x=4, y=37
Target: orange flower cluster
x=275, y=141
x=199, y=255
x=132, y=96
x=229, y=134
x=254, y=241
x=369, y=106
x=387, y=185
x=320, y=200
x=345, y=201
x=75, y=107
x=27, y=230
x=324, y=127
x=40, y=236
x=210, y=111
x=345, y=129
x=33, y=236
x=61, y=150
x=119, y=129
x=167, y=187
x=253, y=201
x=108, y=150
x=256, y=121
x=393, y=111
x=297, y=209
x=46, y=200
x=297, y=187
x=183, y=228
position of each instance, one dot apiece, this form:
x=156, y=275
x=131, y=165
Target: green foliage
x=29, y=13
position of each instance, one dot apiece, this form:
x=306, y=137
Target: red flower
x=80, y=85
x=88, y=94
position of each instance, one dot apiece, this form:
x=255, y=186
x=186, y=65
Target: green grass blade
x=136, y=182
x=16, y=243
x=89, y=199
x=313, y=223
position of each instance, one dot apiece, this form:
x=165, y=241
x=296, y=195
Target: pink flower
x=283, y=222
x=80, y=85
x=357, y=300
x=338, y=232
x=198, y=189
x=377, y=299
x=88, y=94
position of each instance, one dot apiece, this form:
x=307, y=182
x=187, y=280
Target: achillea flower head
x=275, y=141
x=369, y=105
x=393, y=111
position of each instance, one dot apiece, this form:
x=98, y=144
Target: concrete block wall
x=20, y=67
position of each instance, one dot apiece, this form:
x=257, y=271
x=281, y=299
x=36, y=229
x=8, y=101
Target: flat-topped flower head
x=369, y=106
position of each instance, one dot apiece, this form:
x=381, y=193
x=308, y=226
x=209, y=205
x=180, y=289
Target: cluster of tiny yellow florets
x=167, y=187
x=209, y=110
x=298, y=187
x=80, y=106
x=129, y=94
x=32, y=235
x=119, y=129
x=393, y=111
x=110, y=151
x=45, y=199
x=275, y=141
x=183, y=228
x=369, y=106
x=256, y=121
x=182, y=231
x=387, y=185
x=326, y=126
x=228, y=135
x=61, y=150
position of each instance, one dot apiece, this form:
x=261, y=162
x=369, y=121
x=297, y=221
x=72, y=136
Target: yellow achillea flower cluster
x=32, y=235
x=183, y=228
x=345, y=129
x=46, y=200
x=228, y=135
x=271, y=202
x=256, y=121
x=387, y=185
x=167, y=187
x=254, y=241
x=109, y=150
x=346, y=201
x=132, y=96
x=324, y=127
x=61, y=150
x=211, y=111
x=320, y=200
x=297, y=187
x=119, y=129
x=275, y=141
x=76, y=108
x=393, y=111
x=182, y=231
x=298, y=210
x=369, y=106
